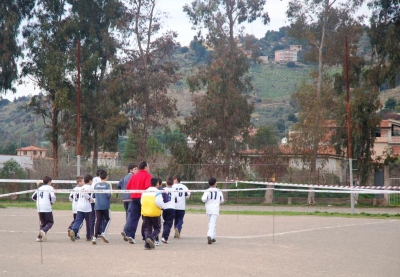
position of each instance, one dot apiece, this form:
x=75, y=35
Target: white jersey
x=213, y=197
x=96, y=180
x=44, y=198
x=171, y=198
x=182, y=194
x=83, y=200
x=73, y=197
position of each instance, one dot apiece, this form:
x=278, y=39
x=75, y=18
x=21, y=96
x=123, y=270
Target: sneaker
x=88, y=239
x=68, y=232
x=147, y=248
x=177, y=235
x=150, y=242
x=43, y=235
x=164, y=241
x=157, y=243
x=103, y=237
x=213, y=241
x=94, y=240
x=209, y=240
x=77, y=237
x=72, y=235
x=123, y=234
x=39, y=240
x=131, y=240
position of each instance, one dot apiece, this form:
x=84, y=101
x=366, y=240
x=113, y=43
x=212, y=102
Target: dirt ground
x=247, y=245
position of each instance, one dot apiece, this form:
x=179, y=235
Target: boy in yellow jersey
x=152, y=203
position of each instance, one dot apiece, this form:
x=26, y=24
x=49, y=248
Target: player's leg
x=168, y=215
x=147, y=229
x=107, y=221
x=48, y=222
x=76, y=226
x=179, y=215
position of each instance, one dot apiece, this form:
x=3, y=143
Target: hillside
x=19, y=127
x=393, y=93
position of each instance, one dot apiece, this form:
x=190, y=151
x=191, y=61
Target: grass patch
x=118, y=207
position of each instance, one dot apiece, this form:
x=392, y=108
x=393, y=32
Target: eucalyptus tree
x=98, y=25
x=223, y=112
x=12, y=13
x=384, y=33
x=47, y=64
x=147, y=72
x=324, y=24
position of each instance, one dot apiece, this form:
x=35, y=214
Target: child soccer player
x=152, y=203
x=102, y=207
x=44, y=198
x=212, y=197
x=84, y=210
x=73, y=197
x=180, y=205
x=169, y=210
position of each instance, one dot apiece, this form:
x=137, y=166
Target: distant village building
x=32, y=151
x=287, y=55
x=26, y=162
x=387, y=138
x=107, y=159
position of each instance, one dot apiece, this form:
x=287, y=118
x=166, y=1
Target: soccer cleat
x=209, y=240
x=72, y=235
x=213, y=240
x=177, y=235
x=157, y=243
x=43, y=235
x=131, y=240
x=94, y=240
x=164, y=241
x=103, y=237
x=150, y=242
x=123, y=234
x=39, y=240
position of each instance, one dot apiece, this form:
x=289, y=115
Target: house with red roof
x=32, y=151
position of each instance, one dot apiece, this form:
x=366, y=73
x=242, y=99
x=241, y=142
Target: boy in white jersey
x=212, y=197
x=180, y=205
x=73, y=197
x=84, y=210
x=169, y=210
x=44, y=198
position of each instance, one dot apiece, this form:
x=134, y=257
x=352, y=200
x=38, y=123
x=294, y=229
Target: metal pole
x=349, y=150
x=78, y=137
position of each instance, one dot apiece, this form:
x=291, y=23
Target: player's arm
x=205, y=196
x=52, y=197
x=159, y=200
x=221, y=198
x=187, y=192
x=34, y=196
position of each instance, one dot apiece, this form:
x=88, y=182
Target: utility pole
x=349, y=150
x=78, y=136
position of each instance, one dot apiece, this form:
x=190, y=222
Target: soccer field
x=247, y=245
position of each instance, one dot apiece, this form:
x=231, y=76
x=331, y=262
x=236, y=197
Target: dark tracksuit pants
x=133, y=217
x=78, y=223
x=151, y=228
x=46, y=221
x=102, y=216
x=179, y=214
x=168, y=216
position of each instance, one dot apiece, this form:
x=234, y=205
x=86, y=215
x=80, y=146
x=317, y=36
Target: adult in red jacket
x=139, y=181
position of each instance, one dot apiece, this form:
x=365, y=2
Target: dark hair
x=46, y=180
x=170, y=181
x=98, y=171
x=177, y=177
x=88, y=178
x=131, y=166
x=212, y=181
x=142, y=165
x=79, y=178
x=154, y=182
x=103, y=174
x=160, y=181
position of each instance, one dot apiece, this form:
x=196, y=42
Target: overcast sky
x=178, y=21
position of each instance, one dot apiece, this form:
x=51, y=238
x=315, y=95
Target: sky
x=178, y=21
